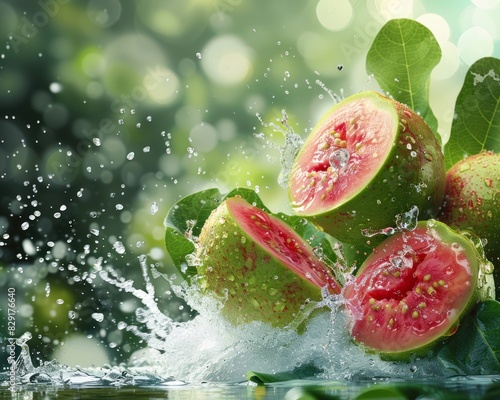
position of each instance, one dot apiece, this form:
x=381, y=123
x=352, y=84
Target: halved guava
x=414, y=288
x=472, y=201
x=260, y=268
x=367, y=160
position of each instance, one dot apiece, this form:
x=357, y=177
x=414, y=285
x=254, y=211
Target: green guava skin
x=412, y=173
x=399, y=312
x=472, y=201
x=251, y=282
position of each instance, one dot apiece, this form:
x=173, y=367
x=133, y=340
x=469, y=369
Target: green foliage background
x=111, y=111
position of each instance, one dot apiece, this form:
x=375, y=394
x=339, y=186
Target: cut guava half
x=259, y=267
x=414, y=288
x=368, y=159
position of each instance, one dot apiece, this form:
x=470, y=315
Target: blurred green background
x=111, y=111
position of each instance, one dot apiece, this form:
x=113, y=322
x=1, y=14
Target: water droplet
x=154, y=208
x=339, y=158
x=198, y=56
x=119, y=247
x=255, y=303
x=407, y=221
x=25, y=225
x=464, y=167
x=97, y=141
x=99, y=317
x=121, y=325
x=130, y=156
x=396, y=261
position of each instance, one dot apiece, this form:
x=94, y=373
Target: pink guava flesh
x=411, y=291
x=353, y=145
x=278, y=239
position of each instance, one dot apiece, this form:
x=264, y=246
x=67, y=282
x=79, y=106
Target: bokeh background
x=111, y=111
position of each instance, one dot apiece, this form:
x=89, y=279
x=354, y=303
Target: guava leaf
x=401, y=59
x=409, y=390
x=476, y=126
x=303, y=371
x=195, y=208
x=187, y=216
x=475, y=347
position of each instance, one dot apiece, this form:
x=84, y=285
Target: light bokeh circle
x=475, y=43
x=334, y=15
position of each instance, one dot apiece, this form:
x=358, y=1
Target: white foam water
x=209, y=349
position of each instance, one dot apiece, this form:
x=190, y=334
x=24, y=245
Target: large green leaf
x=475, y=348
x=186, y=218
x=401, y=59
x=476, y=126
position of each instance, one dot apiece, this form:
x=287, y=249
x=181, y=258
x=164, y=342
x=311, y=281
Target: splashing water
x=208, y=348
x=335, y=97
x=406, y=221
x=288, y=151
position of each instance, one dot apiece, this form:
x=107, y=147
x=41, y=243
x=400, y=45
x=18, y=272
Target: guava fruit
x=414, y=288
x=258, y=266
x=472, y=200
x=367, y=160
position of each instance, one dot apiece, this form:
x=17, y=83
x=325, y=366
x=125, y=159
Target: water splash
x=406, y=221
x=288, y=151
x=58, y=375
x=334, y=96
x=341, y=269
x=208, y=348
